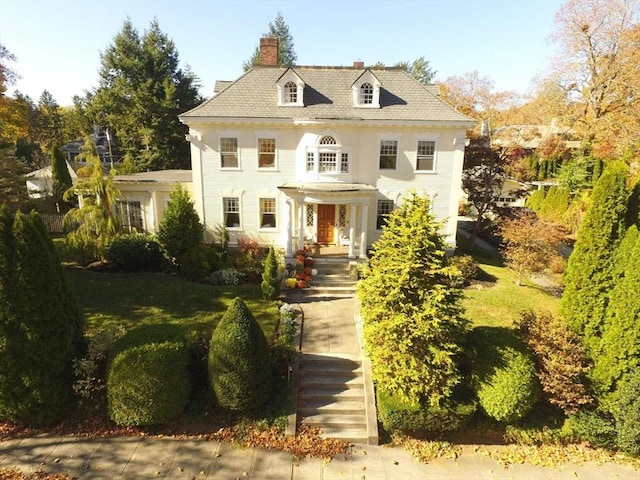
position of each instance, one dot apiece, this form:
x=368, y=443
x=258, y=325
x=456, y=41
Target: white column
x=364, y=216
x=288, y=218
x=352, y=230
x=301, y=221
x=155, y=213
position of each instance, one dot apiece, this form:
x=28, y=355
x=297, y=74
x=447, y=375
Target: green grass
x=499, y=302
x=109, y=300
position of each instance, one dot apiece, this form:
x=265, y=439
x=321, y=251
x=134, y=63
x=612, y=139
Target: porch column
x=155, y=214
x=288, y=210
x=352, y=230
x=363, y=235
x=300, y=225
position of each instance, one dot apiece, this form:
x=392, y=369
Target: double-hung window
x=385, y=207
x=290, y=92
x=231, y=211
x=426, y=156
x=266, y=153
x=388, y=154
x=267, y=213
x=229, y=152
x=366, y=93
x=327, y=157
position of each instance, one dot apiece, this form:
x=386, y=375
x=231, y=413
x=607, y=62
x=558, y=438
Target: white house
x=297, y=155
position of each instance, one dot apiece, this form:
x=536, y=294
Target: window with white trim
x=385, y=207
x=231, y=212
x=426, y=156
x=290, y=92
x=229, y=152
x=130, y=216
x=267, y=213
x=327, y=157
x=366, y=93
x=388, y=154
x=266, y=153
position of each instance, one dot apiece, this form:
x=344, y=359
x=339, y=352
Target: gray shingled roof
x=156, y=176
x=327, y=95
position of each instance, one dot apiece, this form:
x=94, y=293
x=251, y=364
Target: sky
x=58, y=42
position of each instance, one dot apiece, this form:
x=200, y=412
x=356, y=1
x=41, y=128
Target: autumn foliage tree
x=529, y=245
x=410, y=296
x=560, y=359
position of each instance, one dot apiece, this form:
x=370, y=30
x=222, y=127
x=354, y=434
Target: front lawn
x=109, y=300
x=497, y=301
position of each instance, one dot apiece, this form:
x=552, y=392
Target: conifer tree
x=40, y=324
x=239, y=360
x=180, y=229
x=270, y=282
x=589, y=278
x=619, y=348
x=59, y=174
x=286, y=53
x=410, y=298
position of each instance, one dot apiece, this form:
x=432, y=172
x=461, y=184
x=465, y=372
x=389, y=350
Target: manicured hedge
x=148, y=377
x=503, y=375
x=136, y=252
x=399, y=416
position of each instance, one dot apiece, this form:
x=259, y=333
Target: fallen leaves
x=307, y=443
x=426, y=451
x=12, y=474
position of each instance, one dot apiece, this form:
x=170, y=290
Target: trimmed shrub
x=135, y=252
x=627, y=415
x=227, y=276
x=195, y=264
x=239, y=360
x=400, y=416
x=593, y=427
x=503, y=374
x=467, y=265
x=270, y=280
x=148, y=384
x=180, y=230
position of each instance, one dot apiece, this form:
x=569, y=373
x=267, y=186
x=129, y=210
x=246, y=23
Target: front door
x=326, y=223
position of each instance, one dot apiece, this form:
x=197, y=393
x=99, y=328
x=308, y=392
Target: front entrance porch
x=331, y=218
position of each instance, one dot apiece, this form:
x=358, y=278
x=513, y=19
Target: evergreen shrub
x=399, y=416
x=627, y=415
x=593, y=427
x=270, y=280
x=148, y=384
x=239, y=360
x=468, y=267
x=135, y=252
x=503, y=374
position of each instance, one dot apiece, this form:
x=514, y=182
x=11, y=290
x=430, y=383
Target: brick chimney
x=358, y=64
x=269, y=51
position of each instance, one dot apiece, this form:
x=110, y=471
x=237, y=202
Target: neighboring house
x=513, y=193
x=40, y=182
x=296, y=155
x=144, y=197
x=100, y=139
x=533, y=137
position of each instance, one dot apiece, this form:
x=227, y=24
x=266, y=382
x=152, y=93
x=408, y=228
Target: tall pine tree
x=410, y=296
x=40, y=324
x=286, y=53
x=589, y=277
x=59, y=174
x=142, y=90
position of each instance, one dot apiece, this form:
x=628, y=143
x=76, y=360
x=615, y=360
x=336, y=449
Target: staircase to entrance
x=335, y=392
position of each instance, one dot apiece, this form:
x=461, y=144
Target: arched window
x=366, y=93
x=327, y=140
x=290, y=92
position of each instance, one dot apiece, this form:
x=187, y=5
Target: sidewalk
x=329, y=327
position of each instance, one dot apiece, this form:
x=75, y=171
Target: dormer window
x=366, y=91
x=290, y=89
x=290, y=93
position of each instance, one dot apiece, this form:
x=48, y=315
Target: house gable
x=290, y=89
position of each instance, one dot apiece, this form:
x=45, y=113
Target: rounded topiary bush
x=149, y=384
x=239, y=360
x=503, y=374
x=135, y=252
x=148, y=377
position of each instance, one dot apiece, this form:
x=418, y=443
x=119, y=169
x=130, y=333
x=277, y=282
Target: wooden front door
x=326, y=223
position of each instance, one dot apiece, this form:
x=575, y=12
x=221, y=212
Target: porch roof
x=328, y=187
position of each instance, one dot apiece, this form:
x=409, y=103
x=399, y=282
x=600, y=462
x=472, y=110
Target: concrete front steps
x=333, y=278
x=332, y=396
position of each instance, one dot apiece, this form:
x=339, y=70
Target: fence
x=53, y=222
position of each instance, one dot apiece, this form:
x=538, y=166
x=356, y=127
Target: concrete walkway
x=329, y=328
